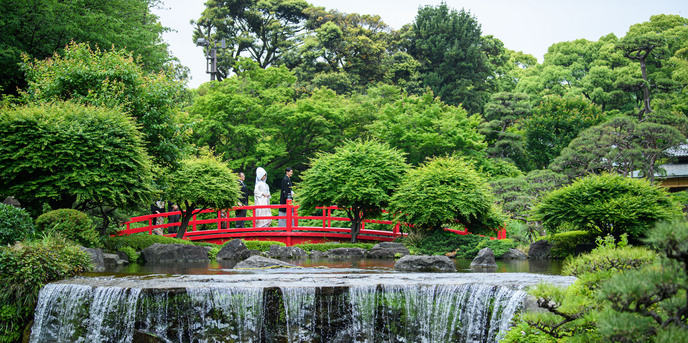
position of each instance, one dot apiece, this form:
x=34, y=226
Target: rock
x=514, y=254
x=425, y=264
x=277, y=251
x=346, y=252
x=123, y=256
x=255, y=253
x=485, y=259
x=388, y=250
x=165, y=253
x=114, y=260
x=255, y=262
x=317, y=254
x=12, y=201
x=146, y=337
x=234, y=250
x=96, y=258
x=540, y=250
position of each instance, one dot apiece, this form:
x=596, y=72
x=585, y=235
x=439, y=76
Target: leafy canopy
x=607, y=204
x=63, y=152
x=442, y=191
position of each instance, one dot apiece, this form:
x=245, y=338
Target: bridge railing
x=214, y=226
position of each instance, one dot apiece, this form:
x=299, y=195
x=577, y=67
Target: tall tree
x=114, y=79
x=448, y=45
x=264, y=30
x=40, y=28
x=502, y=112
x=359, y=177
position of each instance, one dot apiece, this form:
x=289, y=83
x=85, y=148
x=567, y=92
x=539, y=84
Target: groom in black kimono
x=286, y=193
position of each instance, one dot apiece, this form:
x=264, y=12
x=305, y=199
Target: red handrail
x=290, y=234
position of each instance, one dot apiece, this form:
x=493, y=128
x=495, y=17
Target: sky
x=530, y=26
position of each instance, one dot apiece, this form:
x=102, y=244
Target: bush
x=131, y=254
x=498, y=246
x=15, y=224
x=609, y=257
x=439, y=242
x=308, y=247
x=71, y=224
x=24, y=269
x=262, y=245
x=141, y=241
x=564, y=243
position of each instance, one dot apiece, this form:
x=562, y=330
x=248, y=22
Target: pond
x=334, y=266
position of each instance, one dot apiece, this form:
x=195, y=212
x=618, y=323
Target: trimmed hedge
x=71, y=224
x=308, y=247
x=564, y=243
x=24, y=269
x=261, y=245
x=15, y=224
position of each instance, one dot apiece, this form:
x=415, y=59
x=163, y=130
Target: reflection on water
x=366, y=266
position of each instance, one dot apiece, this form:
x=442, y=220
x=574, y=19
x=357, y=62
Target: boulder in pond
x=425, y=264
x=485, y=259
x=277, y=251
x=514, y=254
x=388, y=250
x=540, y=250
x=233, y=250
x=168, y=253
x=346, y=253
x=97, y=258
x=260, y=262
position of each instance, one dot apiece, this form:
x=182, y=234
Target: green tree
x=448, y=45
x=442, y=191
x=554, y=124
x=40, y=28
x=359, y=177
x=114, y=79
x=424, y=126
x=70, y=155
x=200, y=183
x=518, y=195
x=263, y=30
x=502, y=113
x=607, y=204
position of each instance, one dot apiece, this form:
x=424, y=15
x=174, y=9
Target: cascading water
x=283, y=308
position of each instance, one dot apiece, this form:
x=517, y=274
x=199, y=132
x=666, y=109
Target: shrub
x=141, y=241
x=308, y=247
x=24, y=269
x=262, y=245
x=131, y=253
x=71, y=224
x=564, y=243
x=438, y=242
x=609, y=256
x=15, y=224
x=499, y=247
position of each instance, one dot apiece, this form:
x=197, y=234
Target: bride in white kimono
x=261, y=195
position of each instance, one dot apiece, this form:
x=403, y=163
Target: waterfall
x=406, y=308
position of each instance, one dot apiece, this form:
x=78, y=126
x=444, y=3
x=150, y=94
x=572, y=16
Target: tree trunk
x=646, y=89
x=186, y=217
x=355, y=225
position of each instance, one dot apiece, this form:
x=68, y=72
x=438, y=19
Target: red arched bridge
x=215, y=226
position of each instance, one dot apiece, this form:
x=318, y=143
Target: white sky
x=530, y=26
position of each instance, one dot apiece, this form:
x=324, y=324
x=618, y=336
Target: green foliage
x=113, y=79
x=132, y=254
x=502, y=113
x=423, y=127
x=554, y=124
x=449, y=47
x=439, y=242
x=498, y=246
x=262, y=245
x=308, y=247
x=609, y=256
x=522, y=332
x=199, y=183
x=42, y=28
x=24, y=269
x=607, y=204
x=139, y=242
x=71, y=224
x=359, y=177
x=15, y=224
x=564, y=243
x=442, y=191
x=67, y=154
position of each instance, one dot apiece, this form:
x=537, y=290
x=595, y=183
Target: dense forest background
x=295, y=80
